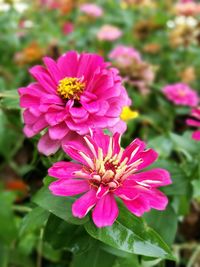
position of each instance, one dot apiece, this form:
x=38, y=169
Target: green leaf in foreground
x=59, y=206
x=132, y=235
x=34, y=220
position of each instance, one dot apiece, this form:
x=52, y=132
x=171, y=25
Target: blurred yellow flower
x=128, y=114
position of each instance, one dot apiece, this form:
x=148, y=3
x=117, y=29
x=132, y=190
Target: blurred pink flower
x=132, y=67
x=91, y=10
x=72, y=95
x=124, y=55
x=109, y=33
x=195, y=113
x=67, y=28
x=181, y=94
x=104, y=171
x=187, y=8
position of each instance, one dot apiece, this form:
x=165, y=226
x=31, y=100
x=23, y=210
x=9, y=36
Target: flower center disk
x=70, y=88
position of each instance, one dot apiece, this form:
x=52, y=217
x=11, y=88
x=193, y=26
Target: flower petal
x=64, y=170
x=69, y=187
x=47, y=146
x=84, y=204
x=137, y=206
x=105, y=211
x=153, y=178
x=196, y=135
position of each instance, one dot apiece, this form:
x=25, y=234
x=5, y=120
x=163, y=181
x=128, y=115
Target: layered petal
x=105, y=211
x=84, y=204
x=69, y=187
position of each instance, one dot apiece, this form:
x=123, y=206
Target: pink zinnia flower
x=195, y=122
x=91, y=10
x=67, y=28
x=187, y=8
x=181, y=94
x=104, y=171
x=124, y=55
x=72, y=95
x=109, y=33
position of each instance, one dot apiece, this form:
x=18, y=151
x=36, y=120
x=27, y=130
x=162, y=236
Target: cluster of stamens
x=109, y=170
x=70, y=88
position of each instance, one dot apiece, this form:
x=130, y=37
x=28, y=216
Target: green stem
x=22, y=209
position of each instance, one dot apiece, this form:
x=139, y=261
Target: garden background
x=38, y=229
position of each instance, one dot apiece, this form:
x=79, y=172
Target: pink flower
x=109, y=33
x=195, y=122
x=124, y=55
x=104, y=171
x=91, y=10
x=70, y=96
x=67, y=28
x=187, y=8
x=181, y=94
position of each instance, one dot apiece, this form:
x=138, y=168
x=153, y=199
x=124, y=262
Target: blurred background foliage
x=33, y=231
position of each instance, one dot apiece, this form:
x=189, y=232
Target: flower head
x=104, y=171
x=71, y=96
x=124, y=55
x=91, y=10
x=132, y=67
x=195, y=122
x=181, y=94
x=187, y=8
x=109, y=33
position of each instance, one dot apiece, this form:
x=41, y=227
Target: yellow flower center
x=128, y=114
x=70, y=88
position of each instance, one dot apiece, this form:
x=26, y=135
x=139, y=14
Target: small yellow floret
x=70, y=88
x=128, y=114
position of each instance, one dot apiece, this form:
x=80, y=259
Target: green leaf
x=129, y=233
x=4, y=255
x=34, y=220
x=59, y=206
x=131, y=261
x=164, y=222
x=62, y=235
x=162, y=145
x=10, y=99
x=180, y=181
x=8, y=229
x=94, y=257
x=185, y=144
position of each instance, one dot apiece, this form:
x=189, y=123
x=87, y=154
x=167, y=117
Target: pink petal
x=133, y=149
x=44, y=78
x=192, y=122
x=68, y=64
x=127, y=192
x=28, y=117
x=88, y=63
x=148, y=157
x=64, y=170
x=157, y=200
x=74, y=148
x=27, y=101
x=59, y=131
x=137, y=206
x=28, y=131
x=40, y=124
x=69, y=187
x=47, y=146
x=84, y=204
x=153, y=178
x=56, y=115
x=196, y=135
x=105, y=211
x=53, y=69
